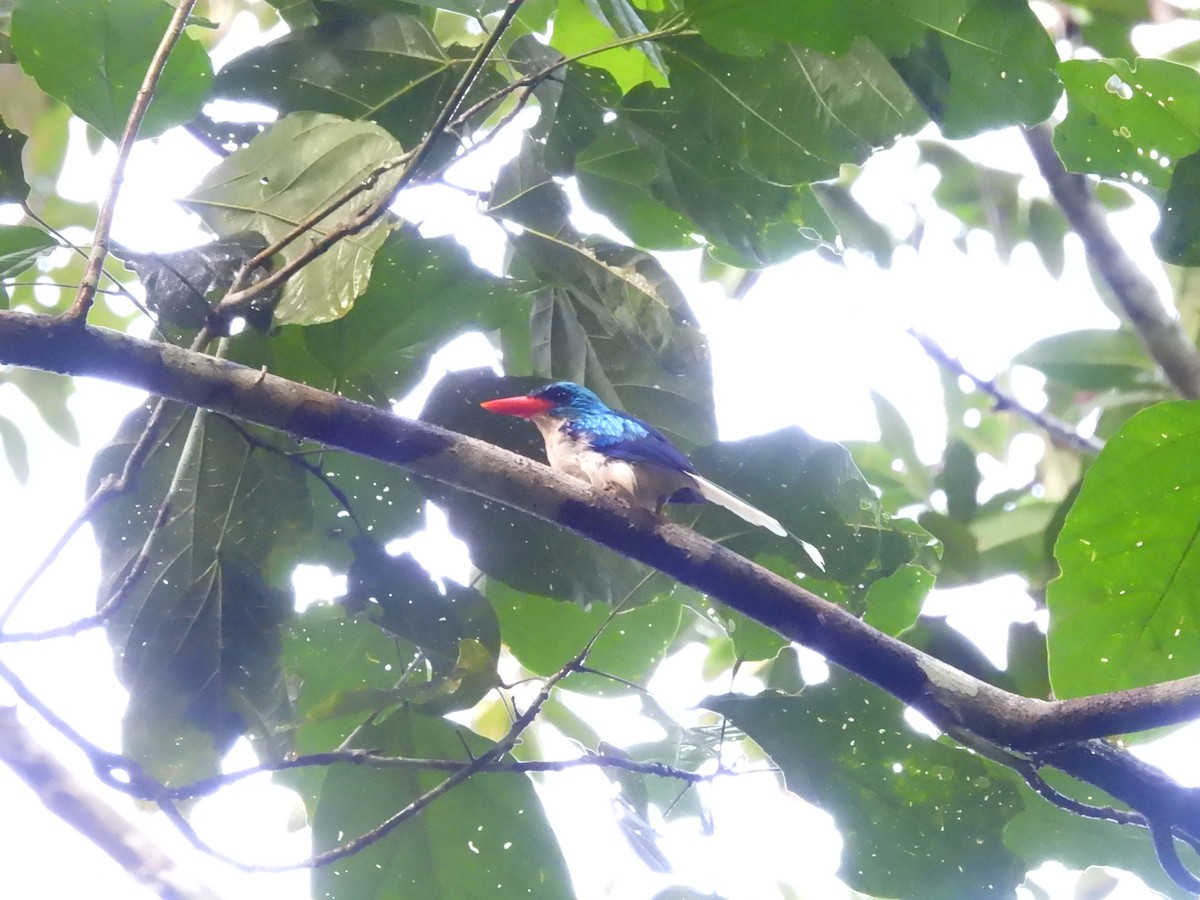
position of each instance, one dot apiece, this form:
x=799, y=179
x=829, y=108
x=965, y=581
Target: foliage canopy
x=733, y=128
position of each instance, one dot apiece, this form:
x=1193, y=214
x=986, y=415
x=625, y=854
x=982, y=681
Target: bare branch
x=141, y=103
x=1055, y=427
x=1158, y=328
x=61, y=792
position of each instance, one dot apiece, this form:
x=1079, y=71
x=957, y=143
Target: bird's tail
x=737, y=505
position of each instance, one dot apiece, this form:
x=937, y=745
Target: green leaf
x=423, y=292
x=387, y=68
x=486, y=837
x=197, y=633
x=584, y=25
x=1177, y=238
x=974, y=64
x=16, y=451
x=20, y=248
x=894, y=602
x=918, y=818
x=751, y=640
x=1123, y=612
x=1092, y=359
x=13, y=187
x=1133, y=122
x=327, y=655
x=992, y=67
x=93, y=55
x=609, y=317
x=546, y=634
x=288, y=173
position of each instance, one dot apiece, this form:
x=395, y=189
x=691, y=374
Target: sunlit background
x=805, y=346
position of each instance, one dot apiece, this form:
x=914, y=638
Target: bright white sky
x=805, y=347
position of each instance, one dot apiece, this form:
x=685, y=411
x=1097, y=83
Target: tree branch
x=141, y=102
x=949, y=698
x=61, y=792
x=1056, y=428
x=1134, y=292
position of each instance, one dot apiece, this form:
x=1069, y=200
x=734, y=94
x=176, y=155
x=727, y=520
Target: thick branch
x=1159, y=330
x=65, y=796
x=951, y=699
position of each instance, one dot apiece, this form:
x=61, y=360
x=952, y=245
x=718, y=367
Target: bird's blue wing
x=625, y=437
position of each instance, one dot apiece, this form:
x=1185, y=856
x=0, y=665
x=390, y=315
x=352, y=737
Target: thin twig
x=79, y=251
x=370, y=760
x=1055, y=427
x=478, y=764
x=1155, y=325
x=91, y=275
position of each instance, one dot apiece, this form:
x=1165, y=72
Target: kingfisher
x=619, y=453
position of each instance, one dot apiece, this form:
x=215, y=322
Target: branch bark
x=62, y=793
x=1134, y=292
x=1054, y=732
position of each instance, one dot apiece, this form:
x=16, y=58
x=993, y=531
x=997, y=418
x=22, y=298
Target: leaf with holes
x=1131, y=121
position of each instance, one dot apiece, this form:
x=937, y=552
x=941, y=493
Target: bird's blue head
x=562, y=400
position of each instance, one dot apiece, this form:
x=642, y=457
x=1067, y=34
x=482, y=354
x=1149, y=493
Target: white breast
x=641, y=485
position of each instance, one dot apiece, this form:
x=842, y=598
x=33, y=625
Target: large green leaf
x=388, y=69
x=974, y=64
x=406, y=602
x=285, y=175
x=1093, y=359
x=486, y=837
x=422, y=293
x=1123, y=612
x=546, y=634
x=991, y=67
x=1132, y=121
x=196, y=635
x=93, y=55
x=918, y=818
x=729, y=141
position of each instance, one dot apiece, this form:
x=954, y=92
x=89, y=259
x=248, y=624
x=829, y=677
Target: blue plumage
x=618, y=452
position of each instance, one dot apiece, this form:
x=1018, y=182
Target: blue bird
x=617, y=452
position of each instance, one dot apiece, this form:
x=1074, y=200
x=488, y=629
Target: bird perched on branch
x=618, y=452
